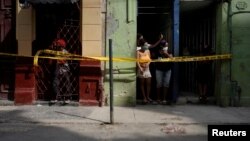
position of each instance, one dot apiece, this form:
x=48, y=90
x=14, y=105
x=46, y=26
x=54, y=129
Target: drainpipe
x=236, y=89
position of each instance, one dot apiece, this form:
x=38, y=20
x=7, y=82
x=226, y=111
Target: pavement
x=187, y=122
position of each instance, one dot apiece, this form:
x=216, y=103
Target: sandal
x=150, y=100
x=159, y=101
x=145, y=102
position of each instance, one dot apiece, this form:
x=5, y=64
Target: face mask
x=165, y=48
x=145, y=47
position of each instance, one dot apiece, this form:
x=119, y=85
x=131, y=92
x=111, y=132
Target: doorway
x=153, y=19
x=197, y=29
x=197, y=26
x=57, y=21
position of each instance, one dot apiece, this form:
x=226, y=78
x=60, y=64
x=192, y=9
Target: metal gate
x=69, y=31
x=195, y=32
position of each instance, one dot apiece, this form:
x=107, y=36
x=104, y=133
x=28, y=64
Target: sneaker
x=164, y=102
x=53, y=101
x=67, y=101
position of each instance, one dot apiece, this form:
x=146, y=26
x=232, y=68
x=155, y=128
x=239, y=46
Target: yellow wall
x=25, y=21
x=91, y=27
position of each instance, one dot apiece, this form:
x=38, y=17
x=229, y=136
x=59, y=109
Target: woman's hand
x=161, y=36
x=141, y=70
x=144, y=65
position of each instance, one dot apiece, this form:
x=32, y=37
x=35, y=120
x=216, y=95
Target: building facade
x=88, y=26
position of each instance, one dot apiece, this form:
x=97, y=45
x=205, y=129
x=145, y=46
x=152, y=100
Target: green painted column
x=121, y=26
x=222, y=75
x=240, y=29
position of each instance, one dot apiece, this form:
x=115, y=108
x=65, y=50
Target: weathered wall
x=25, y=29
x=121, y=28
x=233, y=32
x=91, y=25
x=240, y=48
x=222, y=75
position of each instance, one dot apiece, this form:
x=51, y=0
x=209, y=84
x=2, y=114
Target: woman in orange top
x=143, y=57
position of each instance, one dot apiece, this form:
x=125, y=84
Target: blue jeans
x=162, y=78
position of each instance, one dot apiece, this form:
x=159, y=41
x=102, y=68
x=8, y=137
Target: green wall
x=222, y=75
x=230, y=74
x=121, y=28
x=241, y=48
x=229, y=84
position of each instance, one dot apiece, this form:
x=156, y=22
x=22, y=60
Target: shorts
x=145, y=74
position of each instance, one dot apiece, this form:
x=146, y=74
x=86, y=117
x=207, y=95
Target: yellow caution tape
x=69, y=56
x=195, y=58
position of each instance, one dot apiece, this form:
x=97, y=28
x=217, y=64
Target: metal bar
x=111, y=81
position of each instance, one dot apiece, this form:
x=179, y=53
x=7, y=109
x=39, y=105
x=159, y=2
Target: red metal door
x=7, y=45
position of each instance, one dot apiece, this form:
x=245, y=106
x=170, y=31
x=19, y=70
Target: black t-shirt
x=153, y=52
x=162, y=66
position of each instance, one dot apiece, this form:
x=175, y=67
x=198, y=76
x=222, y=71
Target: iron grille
x=44, y=76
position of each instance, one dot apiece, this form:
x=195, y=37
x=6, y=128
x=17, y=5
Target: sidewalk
x=183, y=114
x=143, y=122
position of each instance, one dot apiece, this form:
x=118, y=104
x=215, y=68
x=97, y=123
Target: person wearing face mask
x=143, y=73
x=163, y=73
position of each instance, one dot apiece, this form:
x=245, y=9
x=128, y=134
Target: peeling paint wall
x=121, y=25
x=222, y=75
x=240, y=48
x=232, y=88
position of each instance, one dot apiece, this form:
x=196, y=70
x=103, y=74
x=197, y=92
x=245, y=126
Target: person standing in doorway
x=61, y=79
x=143, y=66
x=204, y=71
x=163, y=73
x=143, y=73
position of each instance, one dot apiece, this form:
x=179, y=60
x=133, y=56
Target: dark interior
x=49, y=19
x=197, y=25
